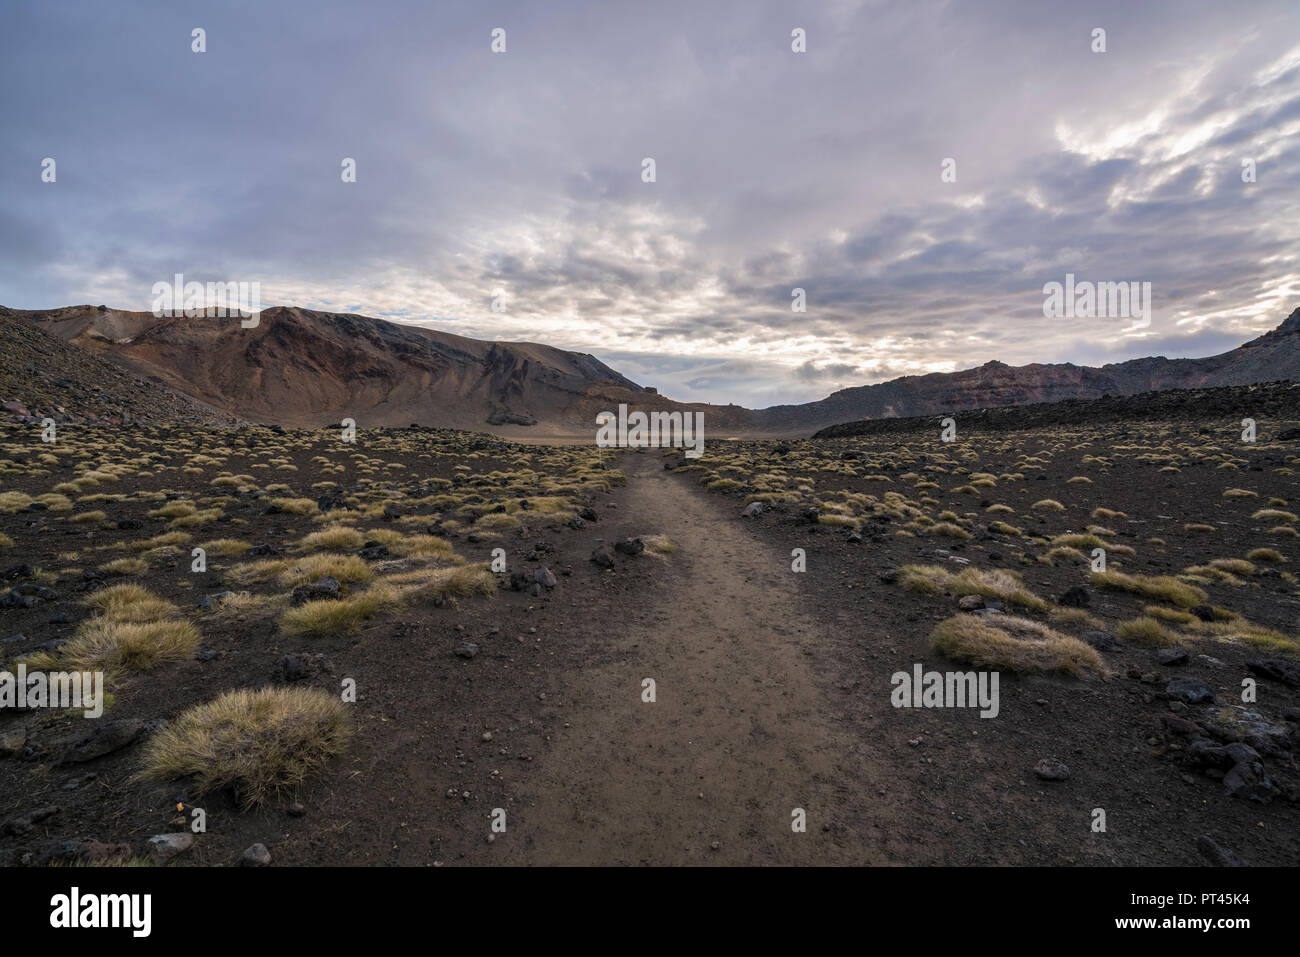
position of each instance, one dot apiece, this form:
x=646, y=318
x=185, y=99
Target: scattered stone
x=19, y=826
x=12, y=742
x=1216, y=854
x=300, y=667
x=212, y=601
x=104, y=739
x=1203, y=612
x=1050, y=769
x=1077, y=596
x=888, y=575
x=1181, y=726
x=1173, y=656
x=630, y=547
x=163, y=847
x=1249, y=781
x=544, y=577
x=326, y=589
x=372, y=551
x=603, y=556
x=752, y=510
x=255, y=856
x=295, y=809
x=1100, y=640
x=1189, y=690
x=466, y=650
x=1277, y=669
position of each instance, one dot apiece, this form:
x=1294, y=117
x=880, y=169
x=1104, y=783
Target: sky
x=517, y=177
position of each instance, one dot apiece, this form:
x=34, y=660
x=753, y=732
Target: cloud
x=520, y=175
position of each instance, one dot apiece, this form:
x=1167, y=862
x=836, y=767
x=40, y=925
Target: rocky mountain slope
x=1274, y=356
x=299, y=367
x=42, y=376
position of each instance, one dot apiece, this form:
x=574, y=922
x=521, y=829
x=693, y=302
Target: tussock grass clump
x=260, y=743
x=337, y=617
x=1048, y=505
x=1078, y=540
x=159, y=541
x=1001, y=509
x=839, y=521
x=948, y=530
x=1274, y=515
x=995, y=583
x=495, y=521
x=226, y=547
x=1238, y=629
x=1106, y=515
x=296, y=506
x=125, y=566
x=1199, y=528
x=1270, y=556
x=202, y=517
x=130, y=602
x=86, y=518
x=1283, y=531
x=1234, y=566
x=1170, y=614
x=1002, y=528
x=1064, y=553
x=1147, y=631
x=6, y=541
x=1239, y=493
x=1161, y=588
x=1014, y=644
x=1072, y=616
x=335, y=538
x=113, y=646
x=135, y=631
x=723, y=485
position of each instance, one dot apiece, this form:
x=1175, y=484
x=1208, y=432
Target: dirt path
x=739, y=735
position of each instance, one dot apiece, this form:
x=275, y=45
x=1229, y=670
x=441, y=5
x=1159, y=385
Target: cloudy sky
x=519, y=174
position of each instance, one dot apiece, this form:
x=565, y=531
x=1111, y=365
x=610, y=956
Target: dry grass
x=135, y=631
x=226, y=547
x=1269, y=556
x=995, y=583
x=1147, y=631
x=335, y=538
x=1160, y=588
x=948, y=530
x=1014, y=644
x=341, y=616
x=259, y=743
x=125, y=566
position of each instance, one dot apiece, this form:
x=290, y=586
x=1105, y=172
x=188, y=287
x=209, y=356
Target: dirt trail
x=739, y=735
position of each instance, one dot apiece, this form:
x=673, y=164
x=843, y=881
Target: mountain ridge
x=303, y=367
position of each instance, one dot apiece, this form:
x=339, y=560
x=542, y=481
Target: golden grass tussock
x=258, y=743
